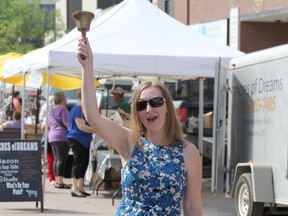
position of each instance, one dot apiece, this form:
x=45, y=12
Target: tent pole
x=2, y=103
x=23, y=105
x=37, y=109
x=12, y=105
x=200, y=116
x=46, y=130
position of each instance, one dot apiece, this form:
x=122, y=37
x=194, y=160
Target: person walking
x=58, y=122
x=44, y=113
x=79, y=138
x=161, y=171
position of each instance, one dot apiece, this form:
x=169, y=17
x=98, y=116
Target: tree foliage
x=24, y=25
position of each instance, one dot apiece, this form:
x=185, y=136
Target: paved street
x=60, y=202
x=216, y=204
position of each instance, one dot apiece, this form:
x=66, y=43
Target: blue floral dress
x=153, y=181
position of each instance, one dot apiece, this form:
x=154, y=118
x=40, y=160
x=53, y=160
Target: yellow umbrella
x=64, y=82
x=3, y=58
x=56, y=80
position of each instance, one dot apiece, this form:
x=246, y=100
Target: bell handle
x=83, y=33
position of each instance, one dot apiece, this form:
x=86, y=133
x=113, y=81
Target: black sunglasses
x=153, y=102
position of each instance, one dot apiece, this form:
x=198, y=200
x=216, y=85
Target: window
x=103, y=4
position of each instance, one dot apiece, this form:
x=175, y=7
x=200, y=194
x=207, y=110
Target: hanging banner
x=35, y=79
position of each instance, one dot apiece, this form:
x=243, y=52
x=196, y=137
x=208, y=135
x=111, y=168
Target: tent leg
x=201, y=108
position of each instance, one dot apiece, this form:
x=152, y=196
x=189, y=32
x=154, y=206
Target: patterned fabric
x=153, y=181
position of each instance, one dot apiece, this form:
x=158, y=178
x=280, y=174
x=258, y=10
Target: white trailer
x=252, y=164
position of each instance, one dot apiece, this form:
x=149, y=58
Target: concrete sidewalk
x=60, y=202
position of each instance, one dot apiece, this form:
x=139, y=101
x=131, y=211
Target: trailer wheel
x=244, y=198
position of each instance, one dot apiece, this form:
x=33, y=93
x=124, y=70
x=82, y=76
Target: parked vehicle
x=257, y=133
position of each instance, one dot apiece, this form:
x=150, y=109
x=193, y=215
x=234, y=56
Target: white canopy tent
x=137, y=39
x=39, y=59
x=134, y=39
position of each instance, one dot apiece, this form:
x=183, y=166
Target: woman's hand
x=84, y=49
x=121, y=111
x=124, y=114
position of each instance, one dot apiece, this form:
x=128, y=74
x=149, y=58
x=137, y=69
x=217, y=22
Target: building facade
x=67, y=7
x=248, y=25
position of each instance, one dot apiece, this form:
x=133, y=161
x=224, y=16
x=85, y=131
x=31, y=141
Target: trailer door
x=219, y=125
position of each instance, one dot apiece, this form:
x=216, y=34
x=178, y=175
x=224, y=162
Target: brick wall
x=260, y=35
x=202, y=11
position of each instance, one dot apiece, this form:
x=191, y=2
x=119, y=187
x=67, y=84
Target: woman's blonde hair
x=172, y=124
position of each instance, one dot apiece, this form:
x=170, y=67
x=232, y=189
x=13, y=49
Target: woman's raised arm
x=115, y=135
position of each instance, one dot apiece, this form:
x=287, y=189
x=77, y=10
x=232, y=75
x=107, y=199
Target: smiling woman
x=161, y=170
x=153, y=102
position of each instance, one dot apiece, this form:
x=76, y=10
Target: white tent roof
x=39, y=59
x=135, y=39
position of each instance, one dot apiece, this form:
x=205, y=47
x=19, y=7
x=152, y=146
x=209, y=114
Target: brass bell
x=83, y=20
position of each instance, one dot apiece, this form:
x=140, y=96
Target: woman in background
x=50, y=156
x=79, y=138
x=58, y=122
